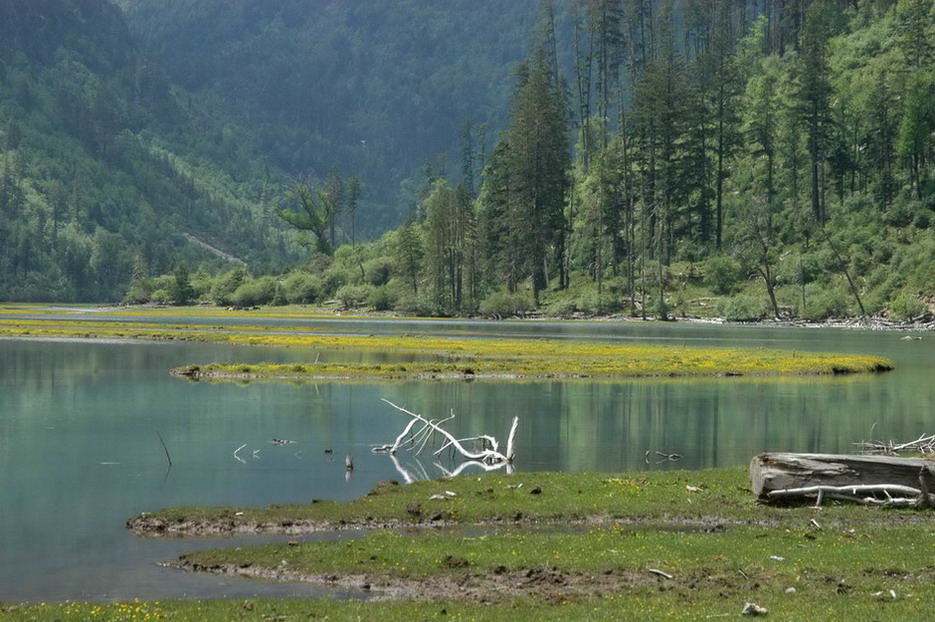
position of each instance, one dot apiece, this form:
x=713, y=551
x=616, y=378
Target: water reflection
x=80, y=449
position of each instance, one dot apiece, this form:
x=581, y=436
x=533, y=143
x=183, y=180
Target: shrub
x=742, y=308
x=381, y=299
x=378, y=271
x=590, y=302
x=421, y=305
x=333, y=279
x=161, y=296
x=226, y=284
x=352, y=296
x=823, y=302
x=140, y=291
x=163, y=281
x=301, y=288
x=257, y=292
x=505, y=303
x=906, y=307
x=202, y=282
x=798, y=267
x=279, y=299
x=722, y=274
x=562, y=308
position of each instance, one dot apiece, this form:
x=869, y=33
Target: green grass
x=590, y=562
x=656, y=603
x=662, y=498
x=499, y=498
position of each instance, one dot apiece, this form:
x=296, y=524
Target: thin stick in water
x=166, y=449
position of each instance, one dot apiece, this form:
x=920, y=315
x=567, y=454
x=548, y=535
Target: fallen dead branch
x=419, y=432
x=662, y=457
x=924, y=445
x=880, y=494
x=659, y=573
x=236, y=451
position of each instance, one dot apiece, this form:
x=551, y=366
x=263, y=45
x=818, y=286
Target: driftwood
x=419, y=431
x=925, y=445
x=882, y=480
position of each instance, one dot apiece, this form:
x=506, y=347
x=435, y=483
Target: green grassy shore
x=672, y=545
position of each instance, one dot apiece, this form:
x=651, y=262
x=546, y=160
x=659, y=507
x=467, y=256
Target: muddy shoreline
x=155, y=528
x=490, y=585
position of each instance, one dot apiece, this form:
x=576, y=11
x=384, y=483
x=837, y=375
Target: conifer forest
x=746, y=159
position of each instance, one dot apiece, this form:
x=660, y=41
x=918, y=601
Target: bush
x=202, y=282
x=161, y=297
x=257, y=292
x=333, y=279
x=381, y=299
x=506, y=304
x=378, y=271
x=279, y=299
x=742, y=308
x=590, y=302
x=562, y=308
x=352, y=296
x=301, y=288
x=226, y=284
x=797, y=267
x=163, y=281
x=906, y=307
x=823, y=302
x=139, y=292
x=420, y=305
x=722, y=274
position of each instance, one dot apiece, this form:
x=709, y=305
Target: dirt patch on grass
x=491, y=585
x=159, y=527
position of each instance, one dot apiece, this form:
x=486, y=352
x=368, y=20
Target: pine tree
x=538, y=169
x=916, y=127
x=813, y=98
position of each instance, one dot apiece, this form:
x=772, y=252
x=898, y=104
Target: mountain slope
x=104, y=167
x=373, y=88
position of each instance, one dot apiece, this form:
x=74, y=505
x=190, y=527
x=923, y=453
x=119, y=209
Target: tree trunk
x=770, y=473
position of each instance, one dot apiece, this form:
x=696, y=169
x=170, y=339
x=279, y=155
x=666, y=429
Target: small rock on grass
x=753, y=609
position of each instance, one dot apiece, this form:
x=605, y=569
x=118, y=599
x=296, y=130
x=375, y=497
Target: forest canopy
x=741, y=158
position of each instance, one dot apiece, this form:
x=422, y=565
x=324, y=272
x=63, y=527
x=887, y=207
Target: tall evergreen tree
x=813, y=98
x=538, y=168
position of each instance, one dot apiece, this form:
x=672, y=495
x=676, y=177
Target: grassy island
x=519, y=359
x=425, y=357
x=508, y=359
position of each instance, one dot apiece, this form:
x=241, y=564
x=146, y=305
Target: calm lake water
x=79, y=450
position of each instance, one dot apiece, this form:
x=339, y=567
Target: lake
x=80, y=427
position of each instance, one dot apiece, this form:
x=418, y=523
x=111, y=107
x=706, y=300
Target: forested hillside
x=105, y=171
x=375, y=89
x=654, y=157
x=745, y=158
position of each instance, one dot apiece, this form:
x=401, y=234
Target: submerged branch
x=489, y=455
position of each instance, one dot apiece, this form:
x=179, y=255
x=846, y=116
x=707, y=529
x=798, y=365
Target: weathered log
x=781, y=471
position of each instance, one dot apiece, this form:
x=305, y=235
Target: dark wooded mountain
x=647, y=156
x=105, y=171
x=374, y=88
x=775, y=157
